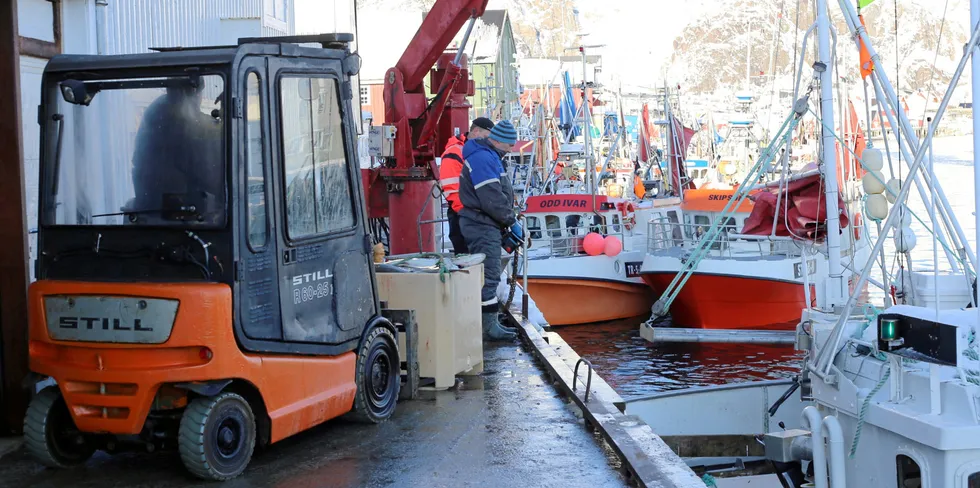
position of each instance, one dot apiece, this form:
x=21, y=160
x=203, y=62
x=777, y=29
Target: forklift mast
x=422, y=126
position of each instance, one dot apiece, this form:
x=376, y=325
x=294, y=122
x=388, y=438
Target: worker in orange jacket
x=450, y=167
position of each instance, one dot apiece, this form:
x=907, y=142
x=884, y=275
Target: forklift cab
x=204, y=268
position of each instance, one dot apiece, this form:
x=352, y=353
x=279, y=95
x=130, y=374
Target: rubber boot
x=492, y=329
x=504, y=324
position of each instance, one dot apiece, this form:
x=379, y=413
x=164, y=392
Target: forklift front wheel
x=217, y=436
x=378, y=377
x=50, y=433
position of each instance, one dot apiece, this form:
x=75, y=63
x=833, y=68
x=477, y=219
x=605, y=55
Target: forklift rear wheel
x=217, y=436
x=378, y=377
x=50, y=433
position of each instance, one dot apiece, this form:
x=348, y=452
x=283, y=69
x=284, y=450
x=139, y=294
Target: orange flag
x=867, y=66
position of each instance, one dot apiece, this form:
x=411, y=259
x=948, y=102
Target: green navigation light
x=889, y=329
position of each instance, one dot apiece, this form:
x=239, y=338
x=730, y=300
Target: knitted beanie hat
x=504, y=132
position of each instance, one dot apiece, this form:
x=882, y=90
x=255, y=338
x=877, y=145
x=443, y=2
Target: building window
x=318, y=183
x=909, y=474
x=278, y=9
x=365, y=95
x=254, y=159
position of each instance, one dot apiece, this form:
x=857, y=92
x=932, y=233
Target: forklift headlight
x=67, y=93
x=76, y=93
x=352, y=64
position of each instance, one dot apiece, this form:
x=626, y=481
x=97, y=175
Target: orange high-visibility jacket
x=450, y=169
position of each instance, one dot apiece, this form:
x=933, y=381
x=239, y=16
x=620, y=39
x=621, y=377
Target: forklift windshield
x=146, y=151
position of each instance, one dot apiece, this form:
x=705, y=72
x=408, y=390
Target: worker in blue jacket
x=488, y=212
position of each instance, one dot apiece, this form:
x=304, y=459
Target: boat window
x=573, y=223
x=676, y=231
x=554, y=225
x=615, y=223
x=731, y=226
x=909, y=474
x=534, y=227
x=973, y=481
x=702, y=220
x=598, y=224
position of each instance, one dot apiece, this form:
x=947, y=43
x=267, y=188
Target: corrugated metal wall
x=132, y=26
x=136, y=26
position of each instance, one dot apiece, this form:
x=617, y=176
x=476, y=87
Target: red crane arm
x=438, y=29
x=422, y=126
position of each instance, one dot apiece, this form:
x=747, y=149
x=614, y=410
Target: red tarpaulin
x=678, y=155
x=802, y=207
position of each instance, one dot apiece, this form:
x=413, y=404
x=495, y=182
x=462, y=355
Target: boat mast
x=975, y=97
x=835, y=290
x=586, y=115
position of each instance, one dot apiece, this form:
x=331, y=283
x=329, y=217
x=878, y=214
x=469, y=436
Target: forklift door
x=258, y=302
x=325, y=286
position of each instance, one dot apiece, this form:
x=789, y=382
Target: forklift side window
x=257, y=226
x=318, y=185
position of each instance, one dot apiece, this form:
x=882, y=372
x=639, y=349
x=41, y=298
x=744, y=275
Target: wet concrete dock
x=506, y=428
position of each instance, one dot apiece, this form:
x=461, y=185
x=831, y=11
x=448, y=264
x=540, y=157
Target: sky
x=637, y=35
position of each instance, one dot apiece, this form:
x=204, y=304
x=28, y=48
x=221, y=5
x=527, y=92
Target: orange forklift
x=205, y=279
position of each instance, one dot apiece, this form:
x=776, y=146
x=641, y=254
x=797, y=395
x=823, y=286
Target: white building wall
x=332, y=16
x=131, y=26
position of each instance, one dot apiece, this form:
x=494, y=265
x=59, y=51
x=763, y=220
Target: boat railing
x=664, y=235
x=568, y=241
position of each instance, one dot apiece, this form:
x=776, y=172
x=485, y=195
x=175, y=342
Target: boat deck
x=506, y=428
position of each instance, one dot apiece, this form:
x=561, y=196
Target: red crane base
x=404, y=210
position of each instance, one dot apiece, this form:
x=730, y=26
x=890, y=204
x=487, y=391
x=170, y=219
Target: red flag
x=678, y=155
x=645, y=150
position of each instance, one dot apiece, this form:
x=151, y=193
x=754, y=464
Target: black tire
x=217, y=436
x=378, y=377
x=50, y=434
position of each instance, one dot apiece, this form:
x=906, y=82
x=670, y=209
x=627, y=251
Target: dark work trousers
x=487, y=240
x=455, y=234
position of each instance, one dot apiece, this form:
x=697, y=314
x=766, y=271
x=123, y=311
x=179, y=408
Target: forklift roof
x=332, y=46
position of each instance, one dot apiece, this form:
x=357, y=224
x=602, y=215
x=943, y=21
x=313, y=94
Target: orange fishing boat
x=570, y=286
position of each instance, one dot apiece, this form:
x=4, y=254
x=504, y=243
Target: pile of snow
x=534, y=314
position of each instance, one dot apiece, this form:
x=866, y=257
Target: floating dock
x=521, y=423
x=741, y=336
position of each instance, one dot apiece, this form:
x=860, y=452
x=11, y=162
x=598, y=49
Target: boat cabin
x=561, y=221
x=684, y=224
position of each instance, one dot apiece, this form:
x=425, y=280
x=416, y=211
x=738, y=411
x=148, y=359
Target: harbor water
x=636, y=367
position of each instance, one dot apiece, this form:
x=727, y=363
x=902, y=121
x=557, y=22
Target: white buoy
x=873, y=182
x=872, y=159
x=895, y=186
x=877, y=207
x=904, y=239
x=906, y=215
